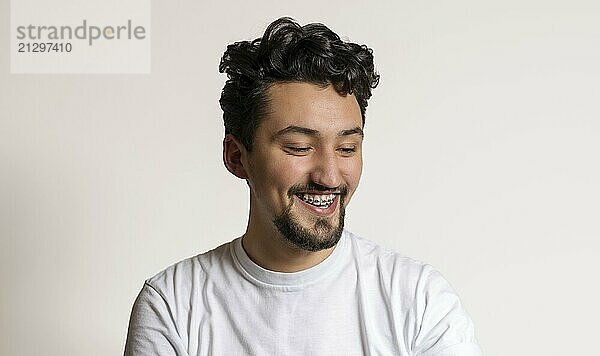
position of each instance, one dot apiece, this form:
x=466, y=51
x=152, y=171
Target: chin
x=312, y=234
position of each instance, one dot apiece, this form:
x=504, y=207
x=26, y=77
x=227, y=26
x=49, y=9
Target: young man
x=297, y=283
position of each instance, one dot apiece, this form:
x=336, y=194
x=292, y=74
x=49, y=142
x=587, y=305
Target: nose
x=326, y=170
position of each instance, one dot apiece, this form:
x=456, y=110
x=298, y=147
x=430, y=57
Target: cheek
x=352, y=170
x=288, y=172
x=277, y=173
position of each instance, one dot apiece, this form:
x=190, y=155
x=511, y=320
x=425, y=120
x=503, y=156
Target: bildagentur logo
x=75, y=36
x=84, y=31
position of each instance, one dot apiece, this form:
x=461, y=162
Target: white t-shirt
x=361, y=300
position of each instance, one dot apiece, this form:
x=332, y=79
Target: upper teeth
x=320, y=200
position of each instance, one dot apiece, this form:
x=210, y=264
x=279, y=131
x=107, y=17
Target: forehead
x=311, y=106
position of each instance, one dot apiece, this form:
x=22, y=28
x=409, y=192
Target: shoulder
x=403, y=279
x=187, y=274
x=389, y=264
x=424, y=296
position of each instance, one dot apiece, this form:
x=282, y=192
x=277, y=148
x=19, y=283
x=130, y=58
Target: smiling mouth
x=322, y=201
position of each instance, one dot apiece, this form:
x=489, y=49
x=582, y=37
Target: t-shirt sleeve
x=152, y=329
x=445, y=327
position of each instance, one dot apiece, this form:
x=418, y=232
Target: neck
x=268, y=249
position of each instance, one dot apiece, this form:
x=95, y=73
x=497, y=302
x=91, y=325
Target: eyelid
x=297, y=149
x=348, y=149
x=350, y=145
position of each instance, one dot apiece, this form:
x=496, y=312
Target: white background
x=481, y=158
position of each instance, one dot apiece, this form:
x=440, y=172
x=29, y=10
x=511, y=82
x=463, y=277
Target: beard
x=322, y=235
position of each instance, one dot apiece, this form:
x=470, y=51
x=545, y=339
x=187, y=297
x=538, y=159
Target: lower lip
x=319, y=211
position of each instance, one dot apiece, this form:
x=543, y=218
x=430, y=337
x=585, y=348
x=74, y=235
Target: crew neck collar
x=287, y=279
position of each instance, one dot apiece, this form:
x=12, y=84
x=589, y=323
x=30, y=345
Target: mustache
x=300, y=188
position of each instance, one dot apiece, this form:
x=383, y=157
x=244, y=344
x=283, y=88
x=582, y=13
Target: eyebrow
x=311, y=132
x=355, y=131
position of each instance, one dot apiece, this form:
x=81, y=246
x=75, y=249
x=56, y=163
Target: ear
x=233, y=150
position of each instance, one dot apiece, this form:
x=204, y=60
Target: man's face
x=306, y=163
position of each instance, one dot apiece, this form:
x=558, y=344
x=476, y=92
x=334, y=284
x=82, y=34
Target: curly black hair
x=288, y=52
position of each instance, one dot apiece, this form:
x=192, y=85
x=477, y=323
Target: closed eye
x=347, y=150
x=298, y=149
